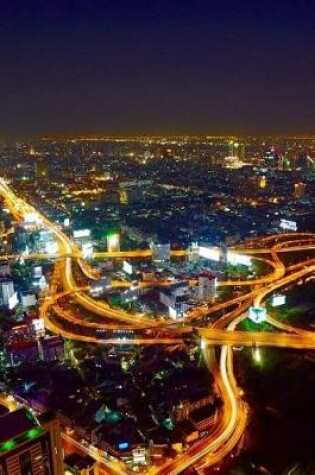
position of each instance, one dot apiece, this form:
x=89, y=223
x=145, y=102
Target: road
x=222, y=332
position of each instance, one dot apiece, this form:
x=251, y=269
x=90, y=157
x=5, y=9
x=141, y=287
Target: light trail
x=226, y=435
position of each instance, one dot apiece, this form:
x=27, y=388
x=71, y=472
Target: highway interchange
x=147, y=331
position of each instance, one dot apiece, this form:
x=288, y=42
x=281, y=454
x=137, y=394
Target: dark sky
x=116, y=66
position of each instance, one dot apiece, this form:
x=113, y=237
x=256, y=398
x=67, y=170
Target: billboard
x=238, y=259
x=172, y=313
x=51, y=247
x=288, y=225
x=127, y=267
x=87, y=249
x=28, y=300
x=278, y=300
x=215, y=254
x=37, y=271
x=258, y=314
x=39, y=327
x=81, y=233
x=113, y=244
x=211, y=253
x=32, y=218
x=13, y=301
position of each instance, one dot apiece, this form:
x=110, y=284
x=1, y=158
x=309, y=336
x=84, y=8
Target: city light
x=213, y=254
x=257, y=355
x=278, y=300
x=258, y=314
x=113, y=243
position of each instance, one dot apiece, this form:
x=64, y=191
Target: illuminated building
x=113, y=243
x=76, y=464
x=123, y=197
x=299, y=189
x=262, y=182
x=51, y=348
x=30, y=445
x=125, y=296
x=236, y=150
x=16, y=332
x=8, y=295
x=160, y=252
x=206, y=287
x=23, y=352
x=33, y=152
x=231, y=148
x=5, y=270
x=28, y=299
x=257, y=314
x=175, y=298
x=41, y=169
x=240, y=151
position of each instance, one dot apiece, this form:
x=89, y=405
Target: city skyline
x=157, y=237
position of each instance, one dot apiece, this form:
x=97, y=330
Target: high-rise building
x=8, y=295
x=160, y=252
x=299, y=189
x=206, y=287
x=262, y=182
x=30, y=445
x=113, y=242
x=236, y=149
x=240, y=151
x=41, y=169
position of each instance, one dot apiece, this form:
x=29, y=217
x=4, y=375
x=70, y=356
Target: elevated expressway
x=222, y=332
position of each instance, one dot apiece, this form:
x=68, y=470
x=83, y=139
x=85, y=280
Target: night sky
x=157, y=66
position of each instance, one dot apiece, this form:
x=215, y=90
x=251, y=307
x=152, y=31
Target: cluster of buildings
x=25, y=342
x=181, y=297
x=142, y=187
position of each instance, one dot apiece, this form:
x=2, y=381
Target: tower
x=113, y=242
x=29, y=446
x=299, y=189
x=41, y=169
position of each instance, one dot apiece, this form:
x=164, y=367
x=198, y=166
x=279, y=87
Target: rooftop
x=16, y=423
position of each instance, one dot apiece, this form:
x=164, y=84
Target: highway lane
x=226, y=434
x=140, y=254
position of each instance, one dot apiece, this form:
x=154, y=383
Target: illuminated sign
x=127, y=267
x=28, y=300
x=139, y=455
x=123, y=446
x=172, y=312
x=37, y=271
x=113, y=243
x=214, y=254
x=81, y=233
x=41, y=282
x=66, y=222
x=32, y=218
x=51, y=247
x=13, y=301
x=278, y=300
x=211, y=253
x=87, y=249
x=257, y=314
x=39, y=327
x=238, y=259
x=288, y=225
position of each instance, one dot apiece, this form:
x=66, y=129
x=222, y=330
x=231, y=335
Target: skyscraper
x=41, y=169
x=28, y=445
x=206, y=286
x=299, y=189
